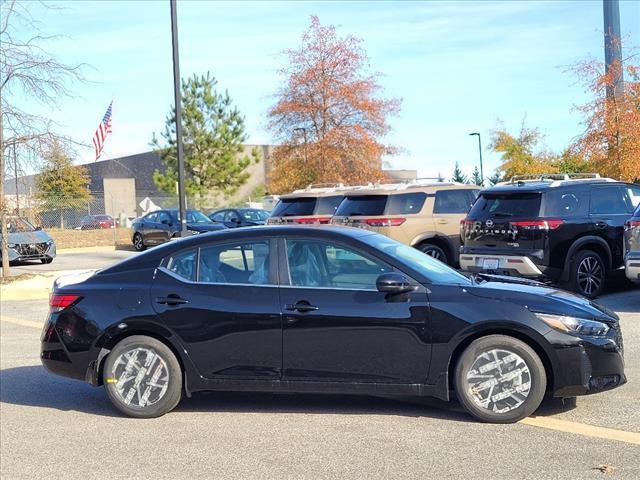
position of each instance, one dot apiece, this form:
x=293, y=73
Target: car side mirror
x=394, y=284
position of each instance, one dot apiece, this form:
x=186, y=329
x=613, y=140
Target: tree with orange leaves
x=611, y=140
x=329, y=118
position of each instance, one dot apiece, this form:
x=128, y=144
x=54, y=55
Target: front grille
x=31, y=249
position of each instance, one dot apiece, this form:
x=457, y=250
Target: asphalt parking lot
x=54, y=427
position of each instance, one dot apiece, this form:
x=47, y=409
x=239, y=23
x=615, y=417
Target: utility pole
x=613, y=47
x=480, y=152
x=15, y=171
x=178, y=103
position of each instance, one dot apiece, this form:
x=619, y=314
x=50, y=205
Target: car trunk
x=506, y=221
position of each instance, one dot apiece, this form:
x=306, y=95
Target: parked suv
x=556, y=227
x=423, y=214
x=315, y=204
x=632, y=247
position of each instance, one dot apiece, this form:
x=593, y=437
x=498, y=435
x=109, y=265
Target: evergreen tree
x=476, y=178
x=458, y=176
x=497, y=177
x=61, y=183
x=213, y=135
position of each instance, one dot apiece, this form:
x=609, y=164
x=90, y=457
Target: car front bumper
x=23, y=251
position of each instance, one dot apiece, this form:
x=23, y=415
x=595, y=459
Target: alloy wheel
x=140, y=377
x=499, y=380
x=590, y=275
x=137, y=241
x=435, y=253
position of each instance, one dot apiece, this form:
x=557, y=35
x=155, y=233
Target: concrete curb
x=102, y=248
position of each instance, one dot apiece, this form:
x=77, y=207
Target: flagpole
x=178, y=103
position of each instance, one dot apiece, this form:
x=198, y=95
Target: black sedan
x=240, y=217
x=162, y=225
x=324, y=310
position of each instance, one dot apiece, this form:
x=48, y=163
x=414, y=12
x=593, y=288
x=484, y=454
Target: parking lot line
x=583, y=429
x=23, y=323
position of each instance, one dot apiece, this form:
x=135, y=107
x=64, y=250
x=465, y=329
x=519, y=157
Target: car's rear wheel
x=588, y=274
x=138, y=242
x=142, y=377
x=500, y=379
x=434, y=251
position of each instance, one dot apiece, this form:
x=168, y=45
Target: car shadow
x=33, y=386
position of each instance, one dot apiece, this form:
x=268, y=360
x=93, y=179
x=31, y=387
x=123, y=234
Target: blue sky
x=459, y=66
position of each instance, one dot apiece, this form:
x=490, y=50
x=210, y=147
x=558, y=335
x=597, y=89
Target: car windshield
x=19, y=225
x=254, y=215
x=432, y=269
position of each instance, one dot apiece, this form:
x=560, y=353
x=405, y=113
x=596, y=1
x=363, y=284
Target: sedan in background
x=27, y=242
x=240, y=217
x=632, y=247
x=324, y=310
x=97, y=222
x=161, y=226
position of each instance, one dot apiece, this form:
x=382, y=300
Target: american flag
x=102, y=131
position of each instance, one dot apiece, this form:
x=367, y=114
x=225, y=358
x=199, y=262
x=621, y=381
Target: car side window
x=405, y=203
x=218, y=217
x=241, y=263
x=453, y=201
x=325, y=265
x=566, y=203
x=183, y=264
x=163, y=217
x=633, y=194
x=231, y=216
x=151, y=218
x=608, y=200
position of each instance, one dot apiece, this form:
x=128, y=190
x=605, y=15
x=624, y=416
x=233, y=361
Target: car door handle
x=171, y=300
x=301, y=307
x=602, y=225
x=442, y=220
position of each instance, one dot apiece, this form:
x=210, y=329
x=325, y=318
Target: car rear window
x=328, y=205
x=293, y=207
x=454, y=201
x=520, y=205
x=358, y=205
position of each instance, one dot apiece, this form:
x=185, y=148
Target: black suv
x=557, y=228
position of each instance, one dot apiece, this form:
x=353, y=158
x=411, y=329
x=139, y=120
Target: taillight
x=541, y=224
x=313, y=220
x=629, y=224
x=58, y=301
x=384, y=222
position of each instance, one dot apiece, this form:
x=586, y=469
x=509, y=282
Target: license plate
x=490, y=263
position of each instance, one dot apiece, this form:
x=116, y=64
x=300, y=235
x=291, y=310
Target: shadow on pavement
x=33, y=386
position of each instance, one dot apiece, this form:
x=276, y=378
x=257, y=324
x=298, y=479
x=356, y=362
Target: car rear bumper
x=500, y=265
x=632, y=267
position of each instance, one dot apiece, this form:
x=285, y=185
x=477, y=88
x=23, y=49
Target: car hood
x=37, y=236
x=205, y=227
x=538, y=297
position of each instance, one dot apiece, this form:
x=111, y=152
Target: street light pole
x=480, y=152
x=304, y=136
x=178, y=103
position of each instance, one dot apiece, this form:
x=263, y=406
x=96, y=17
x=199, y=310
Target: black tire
x=163, y=395
x=138, y=242
x=46, y=260
x=434, y=251
x=588, y=274
x=532, y=381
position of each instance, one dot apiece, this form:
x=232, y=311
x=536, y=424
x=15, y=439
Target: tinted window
x=454, y=201
x=633, y=194
x=430, y=268
x=231, y=216
x=328, y=205
x=183, y=264
x=151, y=217
x=293, y=207
x=254, y=215
x=325, y=265
x=218, y=216
x=526, y=205
x=608, y=200
x=405, y=203
x=362, y=205
x=245, y=263
x=163, y=217
x=566, y=203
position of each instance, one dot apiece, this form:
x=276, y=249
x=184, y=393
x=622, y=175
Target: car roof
x=151, y=258
x=409, y=187
x=543, y=185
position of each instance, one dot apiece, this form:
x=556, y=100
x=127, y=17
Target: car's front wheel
x=138, y=242
x=142, y=377
x=500, y=379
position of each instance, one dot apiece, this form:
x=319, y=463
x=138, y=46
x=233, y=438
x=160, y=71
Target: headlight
x=12, y=245
x=577, y=325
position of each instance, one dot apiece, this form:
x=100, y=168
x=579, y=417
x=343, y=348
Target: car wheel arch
x=517, y=334
x=596, y=244
x=112, y=341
